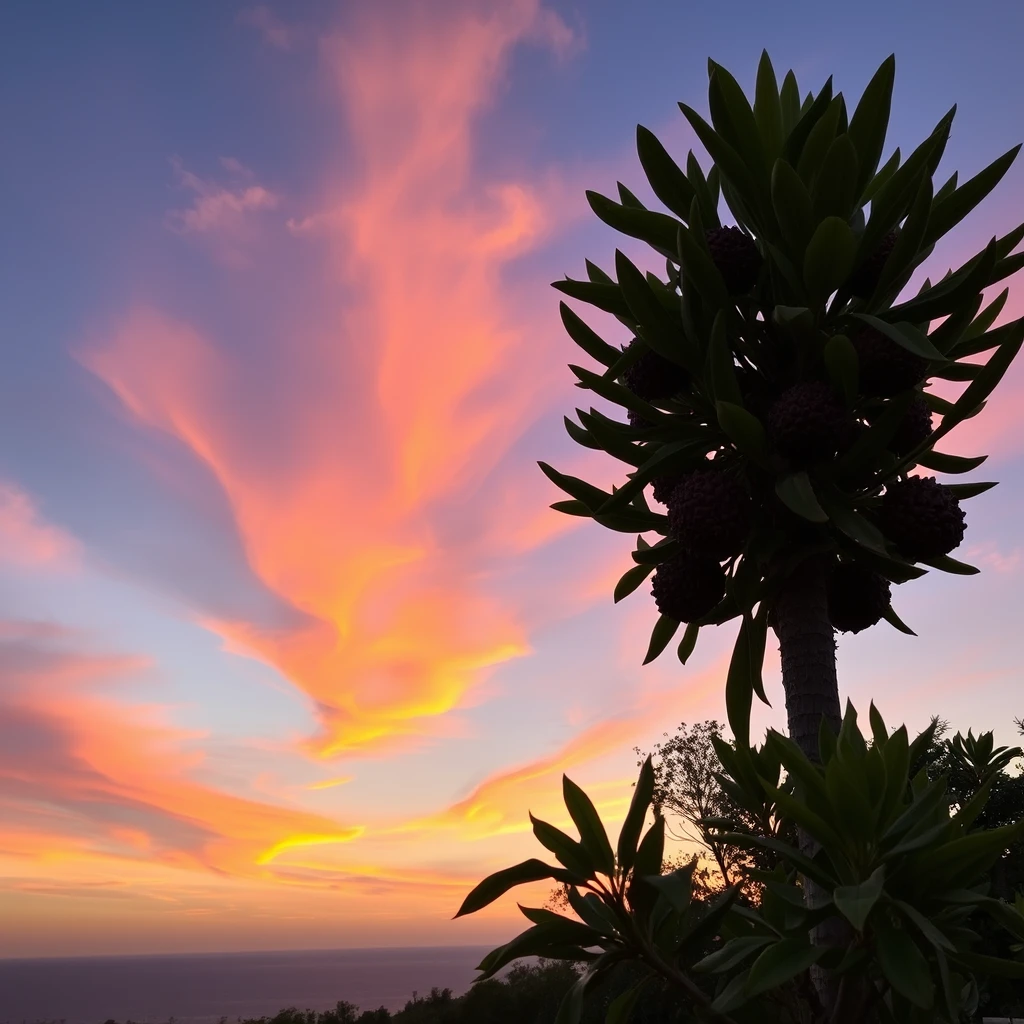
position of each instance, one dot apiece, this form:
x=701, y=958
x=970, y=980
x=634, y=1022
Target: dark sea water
x=203, y=988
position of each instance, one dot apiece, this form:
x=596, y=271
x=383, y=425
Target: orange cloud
x=83, y=774
x=413, y=393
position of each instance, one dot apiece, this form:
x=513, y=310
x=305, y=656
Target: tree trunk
x=807, y=647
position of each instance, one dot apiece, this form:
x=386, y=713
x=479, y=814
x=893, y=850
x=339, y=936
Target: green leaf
x=734, y=120
x=656, y=325
x=843, y=367
x=687, y=644
x=905, y=335
x=809, y=118
x=797, y=494
x=591, y=496
x=676, y=886
x=836, y=185
x=925, y=926
x=818, y=142
x=992, y=966
x=661, y=636
x=793, y=208
x=744, y=678
x=870, y=120
x=985, y=319
x=855, y=902
x=744, y=430
x=591, y=343
x=607, y=297
x=699, y=268
x=569, y=852
x=707, y=198
x=884, y=174
x=790, y=100
x=951, y=210
x=779, y=963
x=721, y=368
x=951, y=565
x=631, y=579
x=656, y=229
x=620, y=1009
x=893, y=619
x=668, y=182
x=651, y=851
x=629, y=835
x=593, y=836
x=903, y=965
x=910, y=247
x=768, y=108
x=829, y=258
x=500, y=882
x=986, y=381
x=964, y=491
x=731, y=165
x=732, y=954
x=942, y=463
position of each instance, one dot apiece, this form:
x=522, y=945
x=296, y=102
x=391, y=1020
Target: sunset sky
x=290, y=641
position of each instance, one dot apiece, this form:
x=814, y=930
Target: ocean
x=204, y=988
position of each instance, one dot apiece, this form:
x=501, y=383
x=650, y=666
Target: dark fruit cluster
x=915, y=428
x=652, y=376
x=807, y=423
x=737, y=258
x=886, y=368
x=857, y=597
x=922, y=518
x=663, y=486
x=869, y=273
x=709, y=513
x=688, y=587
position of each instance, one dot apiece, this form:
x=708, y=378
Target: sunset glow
x=290, y=640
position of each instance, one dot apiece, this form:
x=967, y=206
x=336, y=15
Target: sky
x=290, y=641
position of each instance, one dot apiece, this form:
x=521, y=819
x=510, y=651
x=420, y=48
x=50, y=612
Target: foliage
x=692, y=793
x=759, y=369
x=905, y=872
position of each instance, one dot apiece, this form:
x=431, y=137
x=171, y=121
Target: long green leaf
x=629, y=835
x=593, y=836
x=500, y=882
x=668, y=182
x=870, y=120
x=797, y=493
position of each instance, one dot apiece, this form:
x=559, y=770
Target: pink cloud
x=25, y=539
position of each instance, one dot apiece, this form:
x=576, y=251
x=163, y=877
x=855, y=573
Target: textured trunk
x=807, y=647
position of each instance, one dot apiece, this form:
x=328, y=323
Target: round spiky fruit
x=915, y=428
x=857, y=597
x=922, y=518
x=737, y=258
x=653, y=376
x=709, y=512
x=688, y=586
x=869, y=273
x=663, y=486
x=808, y=423
x=886, y=368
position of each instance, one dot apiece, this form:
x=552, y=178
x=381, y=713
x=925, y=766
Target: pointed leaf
x=855, y=902
x=629, y=835
x=781, y=962
x=797, y=493
x=500, y=882
x=687, y=644
x=631, y=579
x=661, y=636
x=668, y=182
x=903, y=965
x=870, y=120
x=593, y=836
x=829, y=257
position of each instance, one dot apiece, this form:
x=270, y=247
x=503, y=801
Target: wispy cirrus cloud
x=424, y=383
x=275, y=31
